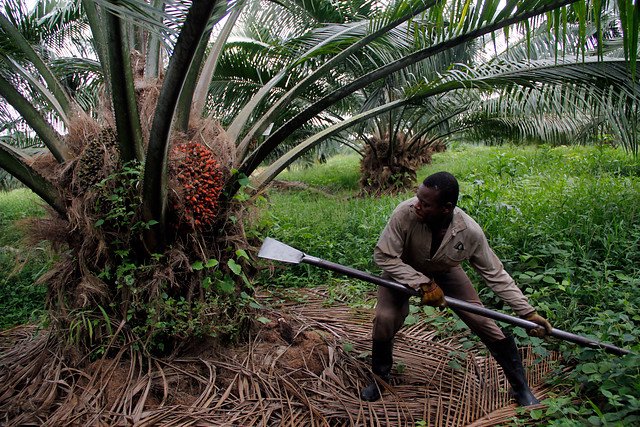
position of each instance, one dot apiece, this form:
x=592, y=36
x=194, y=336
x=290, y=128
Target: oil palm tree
x=146, y=188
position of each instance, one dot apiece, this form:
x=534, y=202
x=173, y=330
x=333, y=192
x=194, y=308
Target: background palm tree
x=551, y=109
x=559, y=113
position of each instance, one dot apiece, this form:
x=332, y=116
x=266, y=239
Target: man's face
x=428, y=207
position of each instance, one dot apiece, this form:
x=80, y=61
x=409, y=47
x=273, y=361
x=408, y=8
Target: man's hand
x=536, y=318
x=432, y=295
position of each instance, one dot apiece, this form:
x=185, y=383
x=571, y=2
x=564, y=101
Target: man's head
x=446, y=185
x=437, y=198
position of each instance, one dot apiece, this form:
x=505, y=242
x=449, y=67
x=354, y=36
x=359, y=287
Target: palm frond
x=82, y=79
x=62, y=27
x=32, y=116
x=599, y=74
x=211, y=62
x=15, y=162
x=555, y=111
x=154, y=184
x=21, y=44
x=395, y=17
x=485, y=25
x=164, y=19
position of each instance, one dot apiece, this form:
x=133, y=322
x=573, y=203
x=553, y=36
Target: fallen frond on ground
x=305, y=368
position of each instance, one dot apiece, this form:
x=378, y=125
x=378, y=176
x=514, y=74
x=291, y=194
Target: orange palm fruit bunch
x=201, y=179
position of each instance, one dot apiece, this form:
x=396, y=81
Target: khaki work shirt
x=403, y=252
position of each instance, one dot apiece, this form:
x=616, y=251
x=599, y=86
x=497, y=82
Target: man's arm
x=485, y=262
x=388, y=252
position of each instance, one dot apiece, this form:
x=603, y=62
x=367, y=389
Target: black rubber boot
x=381, y=363
x=506, y=354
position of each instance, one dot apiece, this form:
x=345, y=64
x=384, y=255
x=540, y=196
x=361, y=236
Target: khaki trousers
x=393, y=307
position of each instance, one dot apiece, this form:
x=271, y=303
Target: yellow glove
x=432, y=295
x=536, y=318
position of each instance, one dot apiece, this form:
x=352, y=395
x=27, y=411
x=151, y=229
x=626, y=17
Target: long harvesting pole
x=275, y=250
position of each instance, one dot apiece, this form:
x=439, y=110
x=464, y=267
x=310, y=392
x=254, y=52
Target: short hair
x=447, y=186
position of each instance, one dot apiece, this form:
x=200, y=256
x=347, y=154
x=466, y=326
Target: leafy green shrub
x=162, y=309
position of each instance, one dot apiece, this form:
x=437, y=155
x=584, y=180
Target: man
x=422, y=246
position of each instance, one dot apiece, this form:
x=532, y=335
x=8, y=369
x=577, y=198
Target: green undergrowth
x=338, y=174
x=16, y=205
x=20, y=299
x=564, y=220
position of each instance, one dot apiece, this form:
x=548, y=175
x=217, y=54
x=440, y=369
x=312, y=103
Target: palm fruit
x=91, y=163
x=201, y=181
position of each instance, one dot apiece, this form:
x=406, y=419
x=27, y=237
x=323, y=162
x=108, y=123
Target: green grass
x=14, y=206
x=556, y=215
x=20, y=300
x=338, y=174
x=565, y=193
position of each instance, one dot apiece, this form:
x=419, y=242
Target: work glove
x=536, y=318
x=432, y=295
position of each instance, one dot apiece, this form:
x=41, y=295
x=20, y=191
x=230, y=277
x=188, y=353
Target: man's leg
x=506, y=354
x=456, y=284
x=391, y=310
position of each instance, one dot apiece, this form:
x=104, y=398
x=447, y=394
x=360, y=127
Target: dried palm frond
x=304, y=368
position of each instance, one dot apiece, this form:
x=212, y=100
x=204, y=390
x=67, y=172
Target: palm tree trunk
x=153, y=61
x=123, y=92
